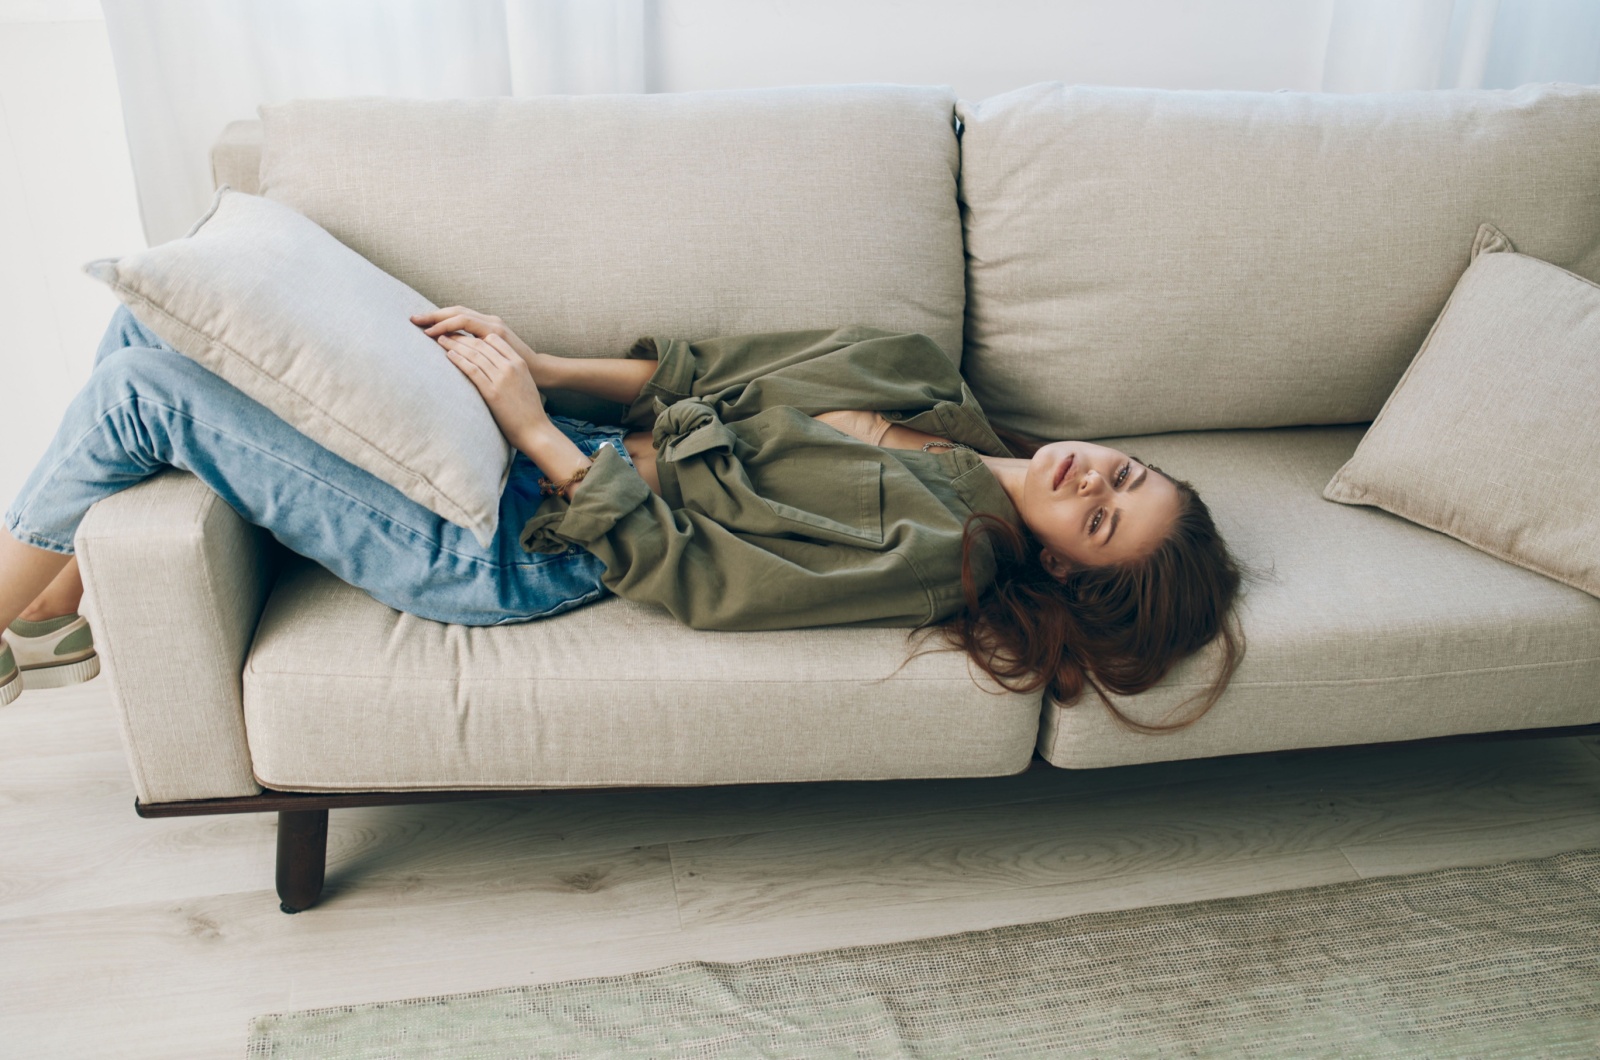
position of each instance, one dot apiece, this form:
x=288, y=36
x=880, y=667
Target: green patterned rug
x=1500, y=961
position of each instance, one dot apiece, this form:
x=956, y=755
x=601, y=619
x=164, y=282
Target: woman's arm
x=508, y=389
x=612, y=379
x=554, y=453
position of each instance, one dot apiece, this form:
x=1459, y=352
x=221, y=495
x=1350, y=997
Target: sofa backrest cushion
x=588, y=221
x=1143, y=261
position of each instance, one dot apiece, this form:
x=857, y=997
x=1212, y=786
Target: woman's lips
x=1061, y=473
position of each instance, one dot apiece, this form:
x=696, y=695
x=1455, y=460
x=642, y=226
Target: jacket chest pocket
x=828, y=499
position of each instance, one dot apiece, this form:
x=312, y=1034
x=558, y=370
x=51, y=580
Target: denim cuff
x=27, y=537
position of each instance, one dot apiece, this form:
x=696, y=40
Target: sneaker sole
x=11, y=689
x=59, y=676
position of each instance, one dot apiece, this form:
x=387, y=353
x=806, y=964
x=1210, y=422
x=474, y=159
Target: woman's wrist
x=546, y=369
x=551, y=451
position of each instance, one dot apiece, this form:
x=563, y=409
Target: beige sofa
x=1235, y=280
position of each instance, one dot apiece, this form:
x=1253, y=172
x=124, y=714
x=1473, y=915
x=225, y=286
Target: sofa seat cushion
x=1361, y=626
x=343, y=693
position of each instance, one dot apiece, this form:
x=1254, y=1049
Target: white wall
x=66, y=196
x=984, y=47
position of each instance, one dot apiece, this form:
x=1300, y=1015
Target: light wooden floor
x=121, y=937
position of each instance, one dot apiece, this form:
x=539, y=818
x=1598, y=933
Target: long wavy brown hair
x=1115, y=630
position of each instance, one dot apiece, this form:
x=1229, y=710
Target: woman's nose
x=1091, y=482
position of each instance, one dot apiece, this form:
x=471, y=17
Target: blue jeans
x=146, y=407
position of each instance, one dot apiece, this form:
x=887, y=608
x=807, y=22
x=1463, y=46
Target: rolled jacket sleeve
x=672, y=381
x=610, y=490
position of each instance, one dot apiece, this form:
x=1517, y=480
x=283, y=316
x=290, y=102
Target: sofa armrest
x=174, y=583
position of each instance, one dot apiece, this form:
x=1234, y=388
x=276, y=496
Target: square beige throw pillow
x=1493, y=434
x=272, y=303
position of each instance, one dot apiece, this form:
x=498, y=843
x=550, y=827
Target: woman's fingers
x=505, y=348
x=505, y=382
x=466, y=353
x=434, y=316
x=459, y=318
x=460, y=322
x=474, y=357
x=478, y=347
x=471, y=370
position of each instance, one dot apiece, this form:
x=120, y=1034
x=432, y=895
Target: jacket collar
x=977, y=486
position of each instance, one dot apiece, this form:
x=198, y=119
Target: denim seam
x=565, y=605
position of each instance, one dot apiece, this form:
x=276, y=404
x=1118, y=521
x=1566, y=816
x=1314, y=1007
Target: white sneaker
x=55, y=652
x=10, y=676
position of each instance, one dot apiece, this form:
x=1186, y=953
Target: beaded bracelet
x=549, y=489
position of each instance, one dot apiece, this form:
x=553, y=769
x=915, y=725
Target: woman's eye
x=1094, y=524
x=1122, y=476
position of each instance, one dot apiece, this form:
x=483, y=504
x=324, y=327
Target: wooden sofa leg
x=302, y=858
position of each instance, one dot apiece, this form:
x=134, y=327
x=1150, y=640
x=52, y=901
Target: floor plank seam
x=773, y=828
x=1471, y=860
x=1545, y=821
x=1011, y=893
x=672, y=871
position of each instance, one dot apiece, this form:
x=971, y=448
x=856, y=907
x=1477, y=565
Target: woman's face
x=1090, y=506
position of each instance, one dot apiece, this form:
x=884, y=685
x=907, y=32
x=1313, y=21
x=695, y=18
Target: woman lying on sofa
x=761, y=482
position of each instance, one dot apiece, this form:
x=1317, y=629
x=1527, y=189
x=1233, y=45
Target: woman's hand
x=441, y=322
x=505, y=382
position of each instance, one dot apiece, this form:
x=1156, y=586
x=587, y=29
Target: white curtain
x=188, y=67
x=1393, y=45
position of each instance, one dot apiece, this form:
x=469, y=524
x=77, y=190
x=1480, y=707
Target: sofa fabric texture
x=1141, y=261
x=588, y=221
x=343, y=693
x=1361, y=627
x=270, y=302
x=236, y=157
x=1493, y=435
x=174, y=582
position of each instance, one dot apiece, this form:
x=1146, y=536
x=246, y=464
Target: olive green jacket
x=769, y=519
